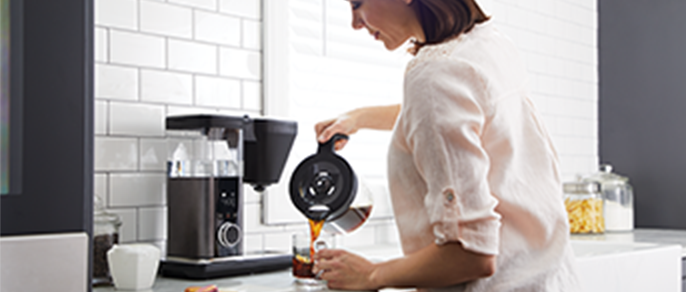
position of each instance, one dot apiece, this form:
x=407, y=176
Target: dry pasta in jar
x=584, y=205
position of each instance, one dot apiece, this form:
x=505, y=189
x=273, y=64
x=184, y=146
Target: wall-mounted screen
x=11, y=99
x=4, y=96
x=47, y=131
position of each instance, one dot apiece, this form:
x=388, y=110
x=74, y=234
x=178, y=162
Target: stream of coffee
x=315, y=229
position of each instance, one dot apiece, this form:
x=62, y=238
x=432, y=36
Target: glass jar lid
x=100, y=215
x=581, y=187
x=605, y=176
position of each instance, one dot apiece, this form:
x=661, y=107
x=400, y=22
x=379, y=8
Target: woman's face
x=391, y=21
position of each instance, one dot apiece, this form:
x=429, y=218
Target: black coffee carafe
x=325, y=187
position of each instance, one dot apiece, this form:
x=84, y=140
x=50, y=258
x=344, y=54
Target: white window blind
x=317, y=67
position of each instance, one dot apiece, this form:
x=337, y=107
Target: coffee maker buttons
x=229, y=234
x=228, y=201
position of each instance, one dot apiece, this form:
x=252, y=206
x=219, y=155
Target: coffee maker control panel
x=228, y=217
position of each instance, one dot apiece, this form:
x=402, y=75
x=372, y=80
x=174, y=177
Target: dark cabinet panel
x=642, y=130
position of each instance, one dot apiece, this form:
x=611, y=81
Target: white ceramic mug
x=133, y=266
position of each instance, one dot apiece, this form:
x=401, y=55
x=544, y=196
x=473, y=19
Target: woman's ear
x=408, y=2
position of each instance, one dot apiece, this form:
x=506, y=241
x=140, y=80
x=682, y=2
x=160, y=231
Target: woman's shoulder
x=443, y=79
x=440, y=63
x=433, y=53
x=483, y=55
x=458, y=49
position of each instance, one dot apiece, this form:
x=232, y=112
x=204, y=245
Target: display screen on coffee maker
x=4, y=96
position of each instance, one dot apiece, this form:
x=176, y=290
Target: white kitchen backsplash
x=156, y=58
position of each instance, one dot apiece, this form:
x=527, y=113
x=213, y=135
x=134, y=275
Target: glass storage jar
x=105, y=235
x=618, y=196
x=584, y=205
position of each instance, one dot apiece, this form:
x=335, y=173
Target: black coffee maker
x=209, y=159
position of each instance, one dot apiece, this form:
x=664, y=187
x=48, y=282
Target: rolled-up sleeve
x=446, y=117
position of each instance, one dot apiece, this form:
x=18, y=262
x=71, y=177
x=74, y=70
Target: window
x=317, y=67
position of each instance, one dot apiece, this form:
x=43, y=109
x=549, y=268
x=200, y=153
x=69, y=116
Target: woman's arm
x=434, y=266
x=373, y=117
x=430, y=267
x=377, y=117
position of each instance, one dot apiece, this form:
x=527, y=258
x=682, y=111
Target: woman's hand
x=344, y=124
x=344, y=270
x=373, y=117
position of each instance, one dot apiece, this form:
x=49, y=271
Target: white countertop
x=274, y=281
x=641, y=235
x=277, y=281
x=642, y=260
x=281, y=281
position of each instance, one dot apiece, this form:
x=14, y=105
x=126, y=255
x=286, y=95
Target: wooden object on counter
x=208, y=288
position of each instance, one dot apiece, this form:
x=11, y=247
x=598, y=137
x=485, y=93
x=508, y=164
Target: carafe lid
x=323, y=186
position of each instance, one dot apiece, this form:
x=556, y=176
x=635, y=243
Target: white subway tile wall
x=250, y=9
x=156, y=58
x=217, y=92
x=240, y=63
x=116, y=82
x=117, y=14
x=166, y=87
x=137, y=189
x=101, y=44
x=217, y=28
x=136, y=49
x=252, y=34
x=204, y=4
x=153, y=154
x=100, y=119
x=192, y=57
x=152, y=223
x=254, y=243
x=135, y=119
x=116, y=154
x=166, y=19
x=100, y=187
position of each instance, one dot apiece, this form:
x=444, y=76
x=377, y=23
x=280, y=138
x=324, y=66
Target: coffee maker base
x=224, y=267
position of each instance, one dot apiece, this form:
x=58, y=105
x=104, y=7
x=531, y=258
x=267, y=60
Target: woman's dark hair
x=445, y=19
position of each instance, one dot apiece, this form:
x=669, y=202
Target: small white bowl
x=133, y=266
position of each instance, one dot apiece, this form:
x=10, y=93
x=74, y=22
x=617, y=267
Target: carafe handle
x=329, y=146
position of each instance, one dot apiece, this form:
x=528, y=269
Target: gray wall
x=642, y=104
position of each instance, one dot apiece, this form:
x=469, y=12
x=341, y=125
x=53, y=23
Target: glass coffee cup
x=303, y=252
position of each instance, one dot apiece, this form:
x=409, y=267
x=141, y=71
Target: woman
x=472, y=172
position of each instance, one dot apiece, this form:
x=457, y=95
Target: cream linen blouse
x=471, y=161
